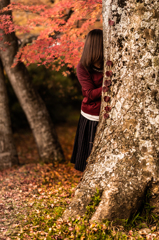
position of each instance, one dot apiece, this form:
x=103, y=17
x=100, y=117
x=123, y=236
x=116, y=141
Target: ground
x=34, y=196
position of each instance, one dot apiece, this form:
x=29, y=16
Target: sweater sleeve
x=88, y=88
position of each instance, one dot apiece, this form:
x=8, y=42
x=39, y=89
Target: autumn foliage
x=62, y=29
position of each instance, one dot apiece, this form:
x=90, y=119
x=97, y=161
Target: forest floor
x=33, y=197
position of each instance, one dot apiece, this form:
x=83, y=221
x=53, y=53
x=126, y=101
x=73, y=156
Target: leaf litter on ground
x=34, y=196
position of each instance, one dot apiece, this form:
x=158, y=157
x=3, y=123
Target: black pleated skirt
x=83, y=142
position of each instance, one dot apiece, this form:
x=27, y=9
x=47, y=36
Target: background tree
x=8, y=154
x=124, y=161
x=33, y=106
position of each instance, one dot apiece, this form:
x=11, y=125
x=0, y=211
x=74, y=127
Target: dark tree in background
x=8, y=154
x=32, y=104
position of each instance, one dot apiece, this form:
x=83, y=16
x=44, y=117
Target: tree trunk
x=124, y=161
x=8, y=154
x=32, y=104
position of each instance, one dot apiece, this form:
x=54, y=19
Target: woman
x=90, y=76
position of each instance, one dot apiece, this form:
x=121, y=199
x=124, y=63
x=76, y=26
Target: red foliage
x=108, y=109
x=111, y=23
x=109, y=63
x=107, y=99
x=109, y=73
x=107, y=83
x=61, y=39
x=105, y=89
x=106, y=115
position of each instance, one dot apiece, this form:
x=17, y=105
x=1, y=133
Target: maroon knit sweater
x=91, y=90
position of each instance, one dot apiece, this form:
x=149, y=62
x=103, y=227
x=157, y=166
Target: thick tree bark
x=8, y=154
x=124, y=161
x=32, y=104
